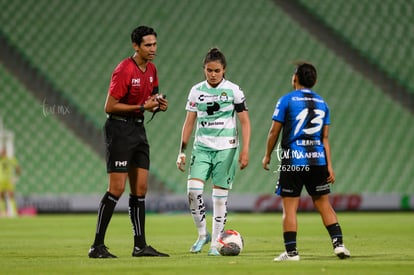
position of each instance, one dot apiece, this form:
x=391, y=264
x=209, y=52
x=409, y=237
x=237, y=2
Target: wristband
x=142, y=108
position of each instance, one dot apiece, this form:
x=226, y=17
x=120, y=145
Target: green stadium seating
x=381, y=30
x=53, y=160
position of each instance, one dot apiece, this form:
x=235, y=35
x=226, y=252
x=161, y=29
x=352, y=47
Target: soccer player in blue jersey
x=303, y=117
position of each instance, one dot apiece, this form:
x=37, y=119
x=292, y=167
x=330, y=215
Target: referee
x=132, y=91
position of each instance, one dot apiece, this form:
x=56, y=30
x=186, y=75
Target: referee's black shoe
x=100, y=251
x=147, y=251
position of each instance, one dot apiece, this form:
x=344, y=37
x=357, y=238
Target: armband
x=240, y=107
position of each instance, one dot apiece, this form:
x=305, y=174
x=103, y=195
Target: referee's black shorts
x=290, y=183
x=126, y=145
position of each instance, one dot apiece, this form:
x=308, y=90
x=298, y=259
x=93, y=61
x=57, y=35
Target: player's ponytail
x=214, y=54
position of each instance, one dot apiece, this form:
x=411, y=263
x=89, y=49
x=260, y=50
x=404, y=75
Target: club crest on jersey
x=135, y=82
x=224, y=96
x=151, y=79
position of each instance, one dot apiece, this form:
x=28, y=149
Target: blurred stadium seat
x=381, y=30
x=53, y=160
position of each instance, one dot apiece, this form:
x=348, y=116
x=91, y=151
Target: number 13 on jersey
x=315, y=118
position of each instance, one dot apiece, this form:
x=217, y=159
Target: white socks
x=219, y=213
x=196, y=203
x=198, y=209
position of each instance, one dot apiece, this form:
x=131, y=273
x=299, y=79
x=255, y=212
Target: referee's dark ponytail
x=307, y=75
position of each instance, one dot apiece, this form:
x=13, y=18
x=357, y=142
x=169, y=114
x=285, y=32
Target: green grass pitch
x=380, y=243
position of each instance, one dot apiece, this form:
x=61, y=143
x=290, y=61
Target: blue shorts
x=219, y=165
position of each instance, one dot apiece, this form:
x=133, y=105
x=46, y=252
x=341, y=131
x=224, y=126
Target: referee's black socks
x=137, y=216
x=105, y=211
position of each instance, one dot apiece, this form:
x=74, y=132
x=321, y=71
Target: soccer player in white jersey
x=212, y=105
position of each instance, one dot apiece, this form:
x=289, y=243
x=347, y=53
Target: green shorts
x=219, y=165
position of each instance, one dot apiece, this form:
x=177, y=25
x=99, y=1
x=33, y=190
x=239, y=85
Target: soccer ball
x=230, y=243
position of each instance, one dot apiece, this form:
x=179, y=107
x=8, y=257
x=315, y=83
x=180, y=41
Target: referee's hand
x=163, y=103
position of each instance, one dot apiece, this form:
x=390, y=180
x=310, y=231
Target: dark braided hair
x=307, y=75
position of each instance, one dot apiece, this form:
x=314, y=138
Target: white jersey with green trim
x=216, y=116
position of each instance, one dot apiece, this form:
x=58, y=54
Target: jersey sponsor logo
x=209, y=107
x=211, y=123
x=136, y=82
x=203, y=97
x=307, y=142
x=297, y=98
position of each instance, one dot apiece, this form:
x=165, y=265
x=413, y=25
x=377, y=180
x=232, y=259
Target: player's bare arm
x=188, y=126
x=113, y=106
x=271, y=142
x=246, y=130
x=325, y=141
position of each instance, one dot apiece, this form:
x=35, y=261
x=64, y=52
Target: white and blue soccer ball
x=230, y=243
